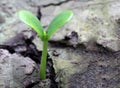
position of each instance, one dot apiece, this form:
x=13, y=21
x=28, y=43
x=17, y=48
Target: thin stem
x=43, y=61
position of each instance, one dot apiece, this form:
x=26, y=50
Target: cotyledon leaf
x=31, y=20
x=58, y=22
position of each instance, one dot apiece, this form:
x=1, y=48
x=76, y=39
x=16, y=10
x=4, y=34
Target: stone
x=2, y=19
x=17, y=71
x=14, y=69
x=92, y=20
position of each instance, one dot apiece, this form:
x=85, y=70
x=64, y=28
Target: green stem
x=43, y=60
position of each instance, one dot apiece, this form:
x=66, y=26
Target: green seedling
x=31, y=20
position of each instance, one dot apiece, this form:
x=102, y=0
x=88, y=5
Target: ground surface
x=85, y=52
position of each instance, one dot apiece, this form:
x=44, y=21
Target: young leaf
x=58, y=22
x=31, y=20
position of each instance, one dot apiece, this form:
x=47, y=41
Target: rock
x=66, y=64
x=92, y=20
x=14, y=69
x=12, y=24
x=112, y=44
x=17, y=71
x=5, y=69
x=2, y=19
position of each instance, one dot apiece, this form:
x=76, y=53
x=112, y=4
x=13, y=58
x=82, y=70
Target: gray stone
x=14, y=69
x=92, y=20
x=2, y=19
x=17, y=71
x=12, y=24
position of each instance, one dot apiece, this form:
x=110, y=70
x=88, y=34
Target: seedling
x=31, y=20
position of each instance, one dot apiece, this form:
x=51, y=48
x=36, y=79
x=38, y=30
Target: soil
x=100, y=67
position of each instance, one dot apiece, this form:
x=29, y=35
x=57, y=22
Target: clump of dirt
x=24, y=46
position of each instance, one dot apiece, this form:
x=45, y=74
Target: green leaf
x=58, y=22
x=31, y=20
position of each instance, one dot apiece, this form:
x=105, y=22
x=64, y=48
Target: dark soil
x=102, y=72
x=102, y=69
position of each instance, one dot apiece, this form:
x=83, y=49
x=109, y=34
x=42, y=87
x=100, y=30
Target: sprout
x=31, y=20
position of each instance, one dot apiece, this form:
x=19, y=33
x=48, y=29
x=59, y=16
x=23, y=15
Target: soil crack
x=55, y=4
x=39, y=13
x=27, y=48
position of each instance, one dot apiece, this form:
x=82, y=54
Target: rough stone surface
x=17, y=71
x=94, y=22
x=5, y=69
x=14, y=69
